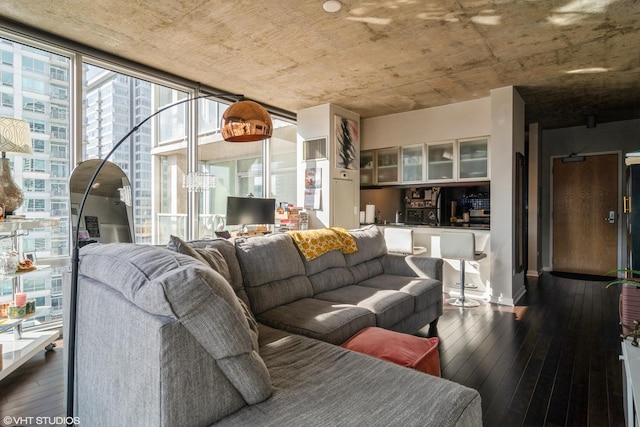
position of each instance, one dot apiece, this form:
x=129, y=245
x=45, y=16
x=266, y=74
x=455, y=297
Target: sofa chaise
x=244, y=332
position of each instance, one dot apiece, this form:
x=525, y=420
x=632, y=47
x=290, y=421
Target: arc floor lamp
x=243, y=121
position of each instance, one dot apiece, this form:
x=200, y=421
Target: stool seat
x=460, y=246
x=400, y=241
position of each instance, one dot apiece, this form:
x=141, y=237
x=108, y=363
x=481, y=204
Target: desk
x=631, y=378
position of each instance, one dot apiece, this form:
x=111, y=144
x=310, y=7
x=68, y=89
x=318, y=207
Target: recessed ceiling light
x=592, y=70
x=332, y=6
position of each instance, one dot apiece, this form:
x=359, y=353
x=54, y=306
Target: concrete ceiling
x=568, y=58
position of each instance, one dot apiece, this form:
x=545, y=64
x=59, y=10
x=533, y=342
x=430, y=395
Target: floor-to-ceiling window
x=237, y=169
x=36, y=87
x=37, y=84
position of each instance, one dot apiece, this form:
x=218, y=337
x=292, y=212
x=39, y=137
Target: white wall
x=454, y=121
x=507, y=139
x=534, y=214
x=315, y=122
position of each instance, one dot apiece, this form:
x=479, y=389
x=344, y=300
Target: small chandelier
x=196, y=182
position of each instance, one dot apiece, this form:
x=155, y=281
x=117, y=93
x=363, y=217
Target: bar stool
x=460, y=246
x=400, y=240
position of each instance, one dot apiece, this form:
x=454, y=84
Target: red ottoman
x=402, y=349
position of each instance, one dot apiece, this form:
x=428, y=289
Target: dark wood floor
x=552, y=360
x=36, y=389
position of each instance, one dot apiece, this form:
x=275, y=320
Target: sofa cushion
x=272, y=271
x=424, y=291
x=388, y=306
x=330, y=279
x=323, y=320
x=366, y=270
x=332, y=386
x=328, y=271
x=228, y=251
x=180, y=287
x=332, y=259
x=370, y=242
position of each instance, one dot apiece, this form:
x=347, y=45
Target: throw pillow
x=213, y=258
x=178, y=245
x=402, y=349
x=208, y=256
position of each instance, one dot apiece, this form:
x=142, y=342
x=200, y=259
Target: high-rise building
x=35, y=87
x=114, y=103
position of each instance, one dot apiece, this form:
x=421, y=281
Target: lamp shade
x=15, y=136
x=246, y=121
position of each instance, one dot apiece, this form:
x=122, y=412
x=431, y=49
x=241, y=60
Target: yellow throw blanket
x=314, y=243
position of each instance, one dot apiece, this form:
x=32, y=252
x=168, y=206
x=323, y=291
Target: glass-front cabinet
x=440, y=161
x=413, y=163
x=387, y=165
x=367, y=159
x=445, y=161
x=473, y=157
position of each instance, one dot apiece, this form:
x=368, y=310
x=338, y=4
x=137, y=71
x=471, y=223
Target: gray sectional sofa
x=244, y=332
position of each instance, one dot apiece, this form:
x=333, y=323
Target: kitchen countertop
x=469, y=226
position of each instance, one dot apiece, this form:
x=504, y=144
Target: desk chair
x=400, y=241
x=460, y=246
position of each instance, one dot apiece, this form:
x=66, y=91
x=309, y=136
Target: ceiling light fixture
x=332, y=6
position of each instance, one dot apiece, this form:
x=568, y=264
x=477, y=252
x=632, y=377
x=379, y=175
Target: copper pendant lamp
x=246, y=121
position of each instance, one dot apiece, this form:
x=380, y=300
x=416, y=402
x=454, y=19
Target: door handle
x=611, y=218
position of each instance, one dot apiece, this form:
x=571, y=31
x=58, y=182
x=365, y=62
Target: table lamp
x=15, y=137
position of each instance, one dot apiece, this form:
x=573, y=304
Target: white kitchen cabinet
x=387, y=166
x=441, y=161
x=413, y=163
x=473, y=159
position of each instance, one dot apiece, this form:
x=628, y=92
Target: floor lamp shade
x=246, y=121
x=15, y=137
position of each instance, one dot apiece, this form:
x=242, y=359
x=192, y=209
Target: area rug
x=587, y=277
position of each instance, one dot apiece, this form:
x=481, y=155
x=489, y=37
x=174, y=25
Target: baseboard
x=511, y=302
x=534, y=273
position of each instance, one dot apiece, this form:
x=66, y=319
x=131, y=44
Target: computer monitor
x=250, y=210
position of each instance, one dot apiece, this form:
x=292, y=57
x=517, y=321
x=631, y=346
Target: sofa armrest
x=411, y=265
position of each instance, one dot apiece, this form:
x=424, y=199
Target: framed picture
x=312, y=178
x=31, y=256
x=347, y=133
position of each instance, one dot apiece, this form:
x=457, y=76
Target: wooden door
x=584, y=194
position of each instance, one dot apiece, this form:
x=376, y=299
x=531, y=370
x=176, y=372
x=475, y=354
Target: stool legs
x=462, y=301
